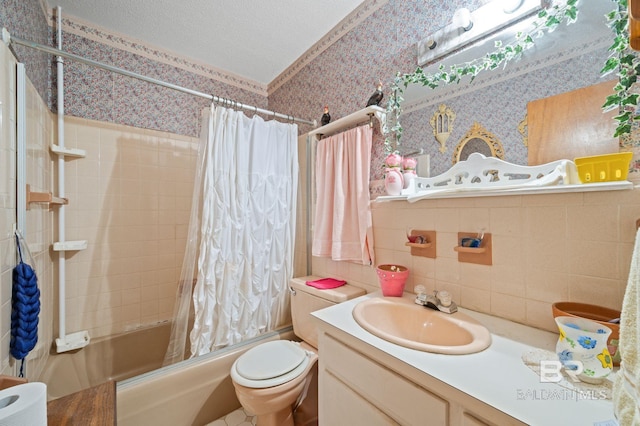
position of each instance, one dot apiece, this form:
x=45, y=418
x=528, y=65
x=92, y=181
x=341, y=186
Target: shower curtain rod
x=8, y=39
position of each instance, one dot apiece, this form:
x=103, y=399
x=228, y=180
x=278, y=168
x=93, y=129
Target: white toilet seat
x=270, y=364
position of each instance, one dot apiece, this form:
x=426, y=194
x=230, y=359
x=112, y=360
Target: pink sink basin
x=400, y=321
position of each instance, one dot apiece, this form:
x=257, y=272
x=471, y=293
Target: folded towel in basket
x=326, y=283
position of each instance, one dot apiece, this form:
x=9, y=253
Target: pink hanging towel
x=326, y=283
x=342, y=228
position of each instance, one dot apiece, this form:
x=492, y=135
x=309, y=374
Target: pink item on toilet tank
x=326, y=283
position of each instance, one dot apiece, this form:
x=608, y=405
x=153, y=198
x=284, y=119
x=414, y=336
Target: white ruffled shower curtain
x=241, y=233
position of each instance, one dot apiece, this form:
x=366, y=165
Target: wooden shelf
x=43, y=197
x=93, y=406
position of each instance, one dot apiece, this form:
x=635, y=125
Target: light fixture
x=467, y=27
x=462, y=19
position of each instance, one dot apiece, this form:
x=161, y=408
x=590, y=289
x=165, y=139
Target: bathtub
x=116, y=357
x=192, y=392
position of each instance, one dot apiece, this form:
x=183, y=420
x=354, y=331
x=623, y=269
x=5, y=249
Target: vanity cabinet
x=361, y=385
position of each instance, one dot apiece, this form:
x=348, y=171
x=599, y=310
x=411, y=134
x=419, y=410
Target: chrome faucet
x=439, y=300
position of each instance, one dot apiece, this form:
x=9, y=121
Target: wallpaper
x=345, y=75
x=341, y=73
x=101, y=95
x=26, y=19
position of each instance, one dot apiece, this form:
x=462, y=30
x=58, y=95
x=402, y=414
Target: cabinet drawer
x=471, y=420
x=346, y=407
x=403, y=400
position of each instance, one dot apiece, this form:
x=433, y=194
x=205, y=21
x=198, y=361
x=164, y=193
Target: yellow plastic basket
x=603, y=168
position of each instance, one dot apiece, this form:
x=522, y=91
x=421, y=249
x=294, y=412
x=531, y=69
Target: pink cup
x=392, y=279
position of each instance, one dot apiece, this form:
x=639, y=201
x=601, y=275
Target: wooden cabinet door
x=571, y=125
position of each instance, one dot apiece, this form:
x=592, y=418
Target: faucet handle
x=444, y=297
x=421, y=295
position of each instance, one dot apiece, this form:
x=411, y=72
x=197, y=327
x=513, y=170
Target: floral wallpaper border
x=359, y=15
x=110, y=38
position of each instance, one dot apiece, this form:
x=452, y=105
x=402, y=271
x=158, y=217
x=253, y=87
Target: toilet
x=272, y=379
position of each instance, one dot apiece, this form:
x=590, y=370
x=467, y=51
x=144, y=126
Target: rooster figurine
x=377, y=96
x=326, y=118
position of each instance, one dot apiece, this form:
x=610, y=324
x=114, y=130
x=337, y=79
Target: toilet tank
x=306, y=299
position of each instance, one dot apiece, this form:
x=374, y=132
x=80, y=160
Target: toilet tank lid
x=336, y=295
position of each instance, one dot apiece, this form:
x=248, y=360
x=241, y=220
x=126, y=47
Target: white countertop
x=497, y=376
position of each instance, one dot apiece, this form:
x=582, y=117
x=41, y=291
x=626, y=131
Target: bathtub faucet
x=439, y=300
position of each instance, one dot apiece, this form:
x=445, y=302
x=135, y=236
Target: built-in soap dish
x=480, y=254
x=419, y=245
x=424, y=244
x=461, y=249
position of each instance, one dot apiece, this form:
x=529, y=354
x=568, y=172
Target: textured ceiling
x=255, y=39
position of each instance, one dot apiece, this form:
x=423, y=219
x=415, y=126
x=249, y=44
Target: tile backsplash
x=546, y=248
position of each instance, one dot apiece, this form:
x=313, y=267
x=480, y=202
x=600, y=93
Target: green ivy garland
x=626, y=64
